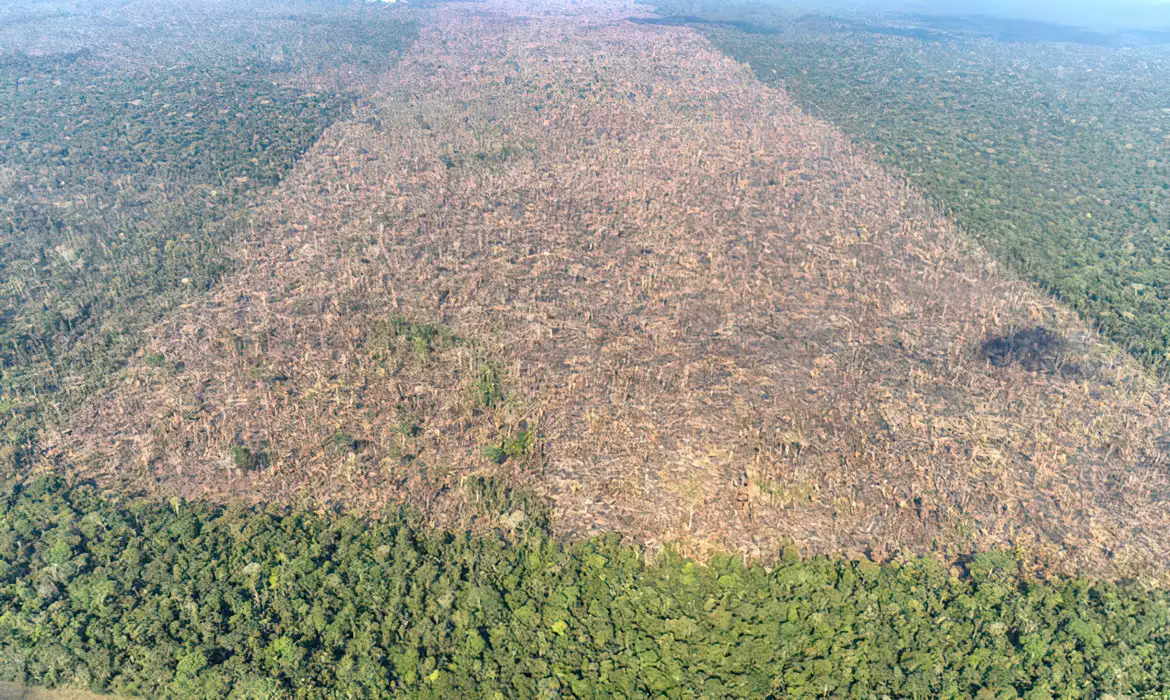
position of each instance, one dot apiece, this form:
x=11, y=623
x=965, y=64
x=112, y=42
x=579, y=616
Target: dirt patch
x=13, y=691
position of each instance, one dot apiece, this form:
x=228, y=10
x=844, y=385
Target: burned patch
x=1035, y=349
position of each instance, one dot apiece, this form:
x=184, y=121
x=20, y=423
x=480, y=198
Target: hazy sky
x=1095, y=13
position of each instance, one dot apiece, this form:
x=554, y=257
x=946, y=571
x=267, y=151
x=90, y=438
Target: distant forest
x=1050, y=145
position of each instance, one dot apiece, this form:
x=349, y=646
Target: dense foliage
x=190, y=600
x=1053, y=154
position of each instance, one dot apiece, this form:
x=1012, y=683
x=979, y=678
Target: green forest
x=180, y=599
x=1054, y=155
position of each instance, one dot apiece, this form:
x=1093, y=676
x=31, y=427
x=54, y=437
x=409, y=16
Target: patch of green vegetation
x=342, y=443
x=408, y=428
x=242, y=458
x=403, y=337
x=495, y=498
x=511, y=446
x=1054, y=155
x=488, y=389
x=494, y=453
x=423, y=339
x=191, y=600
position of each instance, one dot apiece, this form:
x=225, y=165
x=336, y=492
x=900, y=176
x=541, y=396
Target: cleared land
x=659, y=294
x=12, y=691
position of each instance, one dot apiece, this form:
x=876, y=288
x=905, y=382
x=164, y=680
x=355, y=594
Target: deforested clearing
x=599, y=262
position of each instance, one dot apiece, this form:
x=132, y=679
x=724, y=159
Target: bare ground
x=728, y=326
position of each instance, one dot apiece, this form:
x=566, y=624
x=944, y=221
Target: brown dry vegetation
x=728, y=327
x=13, y=691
